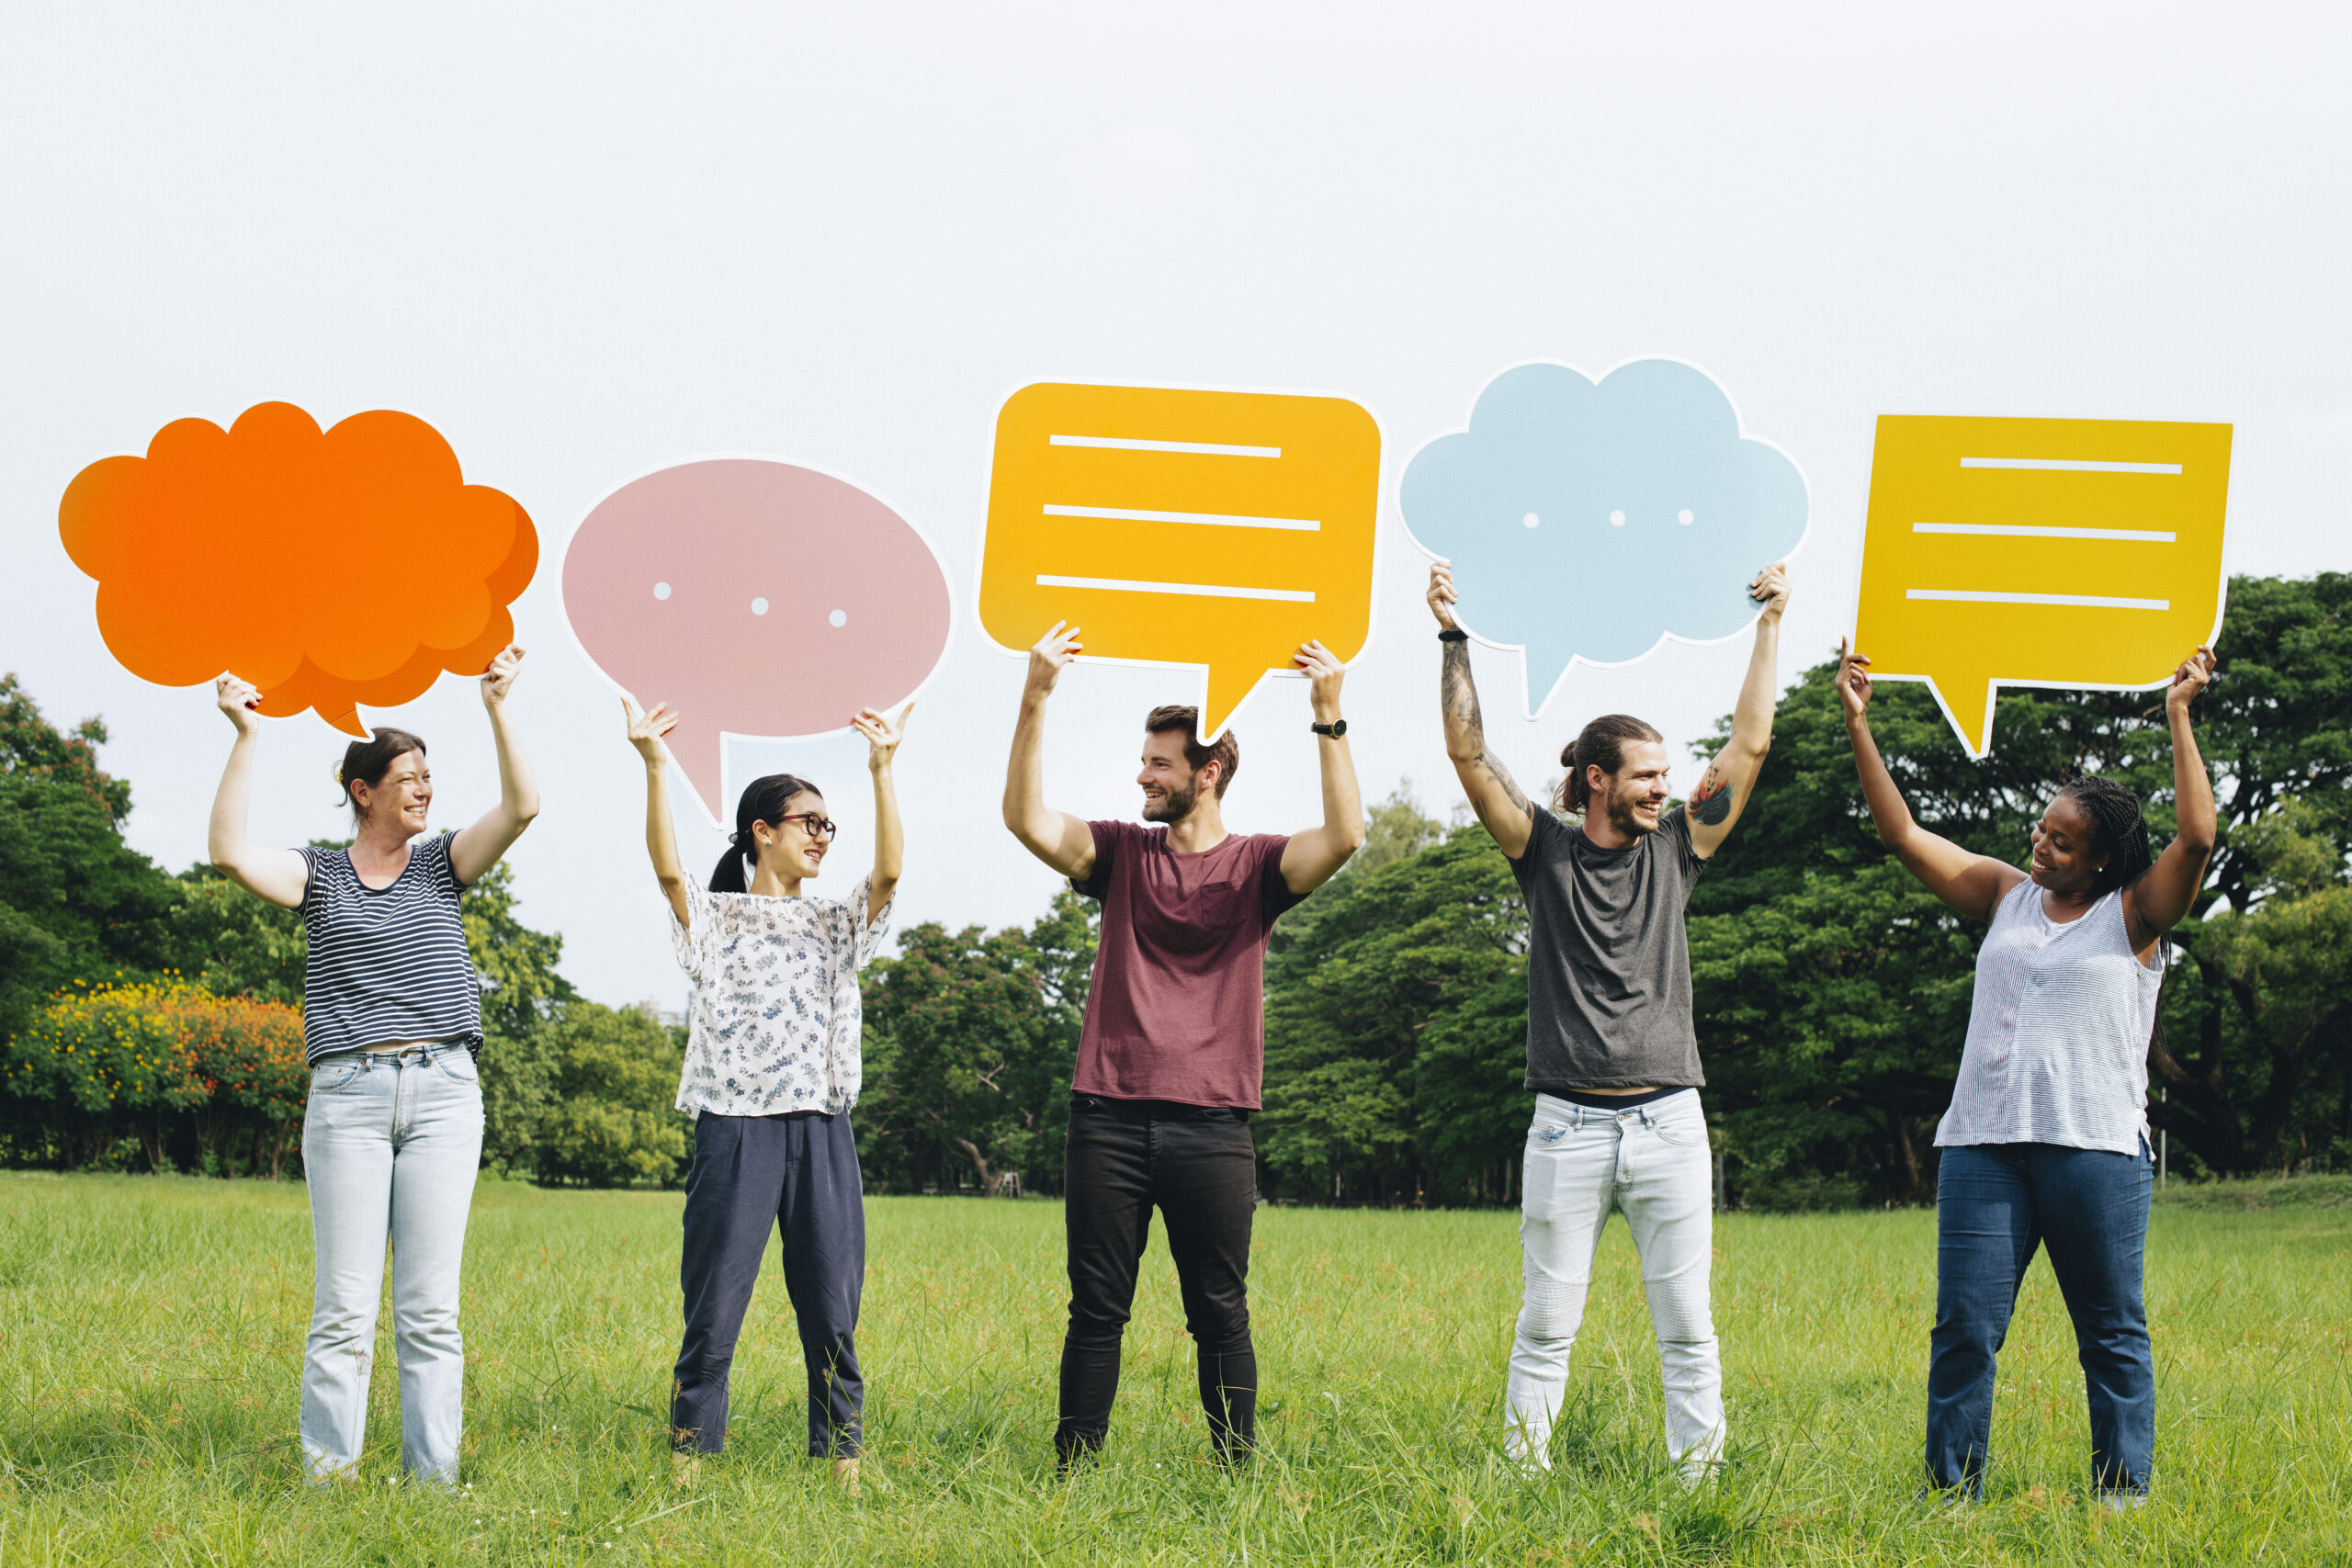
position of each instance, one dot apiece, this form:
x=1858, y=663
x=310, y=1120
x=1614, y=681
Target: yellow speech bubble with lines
x=1209, y=529
x=2039, y=552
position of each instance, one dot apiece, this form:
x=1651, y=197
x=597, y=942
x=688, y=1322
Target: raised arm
x=882, y=738
x=276, y=876
x=1971, y=884
x=476, y=849
x=2165, y=893
x=1730, y=779
x=645, y=733
x=1494, y=795
x=1312, y=858
x=1061, y=840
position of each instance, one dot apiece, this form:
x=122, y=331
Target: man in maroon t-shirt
x=1174, y=1044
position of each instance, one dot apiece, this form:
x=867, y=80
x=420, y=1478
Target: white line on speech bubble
x=2070, y=465
x=1223, y=519
x=2076, y=601
x=2038, y=531
x=1199, y=590
x=1139, y=443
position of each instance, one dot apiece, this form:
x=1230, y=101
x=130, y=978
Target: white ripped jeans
x=1651, y=1164
x=391, y=1148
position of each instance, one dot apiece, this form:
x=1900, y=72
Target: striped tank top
x=388, y=965
x=2058, y=1029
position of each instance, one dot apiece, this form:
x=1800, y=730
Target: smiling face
x=788, y=847
x=1171, y=787
x=2063, y=859
x=1633, y=797
x=397, y=801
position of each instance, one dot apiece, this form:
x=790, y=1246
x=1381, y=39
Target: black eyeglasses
x=815, y=826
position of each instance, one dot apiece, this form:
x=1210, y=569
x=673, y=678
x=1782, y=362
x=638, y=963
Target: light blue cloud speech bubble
x=1592, y=522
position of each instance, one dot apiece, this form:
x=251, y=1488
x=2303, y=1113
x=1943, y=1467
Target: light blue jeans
x=391, y=1146
x=1651, y=1164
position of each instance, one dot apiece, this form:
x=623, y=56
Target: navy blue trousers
x=798, y=1173
x=1995, y=1205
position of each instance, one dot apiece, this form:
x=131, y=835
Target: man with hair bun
x=1173, y=1048
x=1612, y=1054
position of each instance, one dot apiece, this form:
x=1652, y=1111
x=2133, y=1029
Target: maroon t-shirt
x=1177, y=1010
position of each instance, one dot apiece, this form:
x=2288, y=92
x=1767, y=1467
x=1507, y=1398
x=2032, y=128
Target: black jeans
x=798, y=1172
x=1200, y=1166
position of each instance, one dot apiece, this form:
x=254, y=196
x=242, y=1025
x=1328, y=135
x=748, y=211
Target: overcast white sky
x=584, y=239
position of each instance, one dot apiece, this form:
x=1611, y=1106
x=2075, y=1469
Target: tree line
x=1831, y=991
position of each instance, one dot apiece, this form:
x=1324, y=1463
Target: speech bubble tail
x=345, y=718
x=701, y=758
x=1967, y=703
x=1224, y=690
x=1546, y=667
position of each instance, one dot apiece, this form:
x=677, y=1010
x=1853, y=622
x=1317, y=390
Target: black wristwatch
x=1336, y=729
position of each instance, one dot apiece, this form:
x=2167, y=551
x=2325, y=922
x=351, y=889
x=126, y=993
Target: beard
x=1173, y=806
x=1621, y=817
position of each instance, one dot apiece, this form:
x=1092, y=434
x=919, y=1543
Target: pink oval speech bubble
x=757, y=598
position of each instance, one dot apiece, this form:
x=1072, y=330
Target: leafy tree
x=1397, y=1029
x=612, y=1122
x=1394, y=829
x=1843, y=1063
x=75, y=901
x=970, y=1042
x=237, y=945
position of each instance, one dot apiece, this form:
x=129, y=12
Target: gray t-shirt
x=1608, y=959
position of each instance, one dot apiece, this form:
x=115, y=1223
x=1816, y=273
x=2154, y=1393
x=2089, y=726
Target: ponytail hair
x=1601, y=744
x=765, y=800
x=2118, y=830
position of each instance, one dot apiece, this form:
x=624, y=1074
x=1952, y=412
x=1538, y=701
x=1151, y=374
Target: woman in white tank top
x=2047, y=1134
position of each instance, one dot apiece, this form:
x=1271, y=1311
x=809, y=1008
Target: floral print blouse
x=774, y=1015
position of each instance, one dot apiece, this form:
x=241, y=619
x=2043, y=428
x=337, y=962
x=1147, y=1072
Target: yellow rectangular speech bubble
x=2039, y=552
x=1215, y=530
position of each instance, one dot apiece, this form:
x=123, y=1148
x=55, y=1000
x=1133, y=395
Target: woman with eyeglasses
x=772, y=1070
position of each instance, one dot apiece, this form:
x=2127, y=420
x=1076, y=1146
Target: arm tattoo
x=1461, y=700
x=1711, y=805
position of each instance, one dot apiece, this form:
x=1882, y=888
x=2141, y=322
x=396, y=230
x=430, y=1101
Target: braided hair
x=2119, y=831
x=764, y=800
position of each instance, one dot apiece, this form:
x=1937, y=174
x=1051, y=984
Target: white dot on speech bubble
x=1616, y=520
x=838, y=618
x=1683, y=517
x=1531, y=520
x=759, y=606
x=661, y=591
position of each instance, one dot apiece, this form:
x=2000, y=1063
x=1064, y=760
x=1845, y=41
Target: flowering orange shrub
x=142, y=1056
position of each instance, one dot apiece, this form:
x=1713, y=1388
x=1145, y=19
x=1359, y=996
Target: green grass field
x=151, y=1334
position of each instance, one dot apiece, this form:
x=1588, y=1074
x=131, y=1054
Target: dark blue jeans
x=1995, y=1205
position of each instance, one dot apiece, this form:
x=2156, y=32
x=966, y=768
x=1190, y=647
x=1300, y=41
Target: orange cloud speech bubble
x=1215, y=530
x=330, y=569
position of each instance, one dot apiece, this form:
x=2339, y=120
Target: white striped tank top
x=2058, y=1030
x=388, y=965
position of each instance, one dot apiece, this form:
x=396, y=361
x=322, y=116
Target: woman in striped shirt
x=391, y=1018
